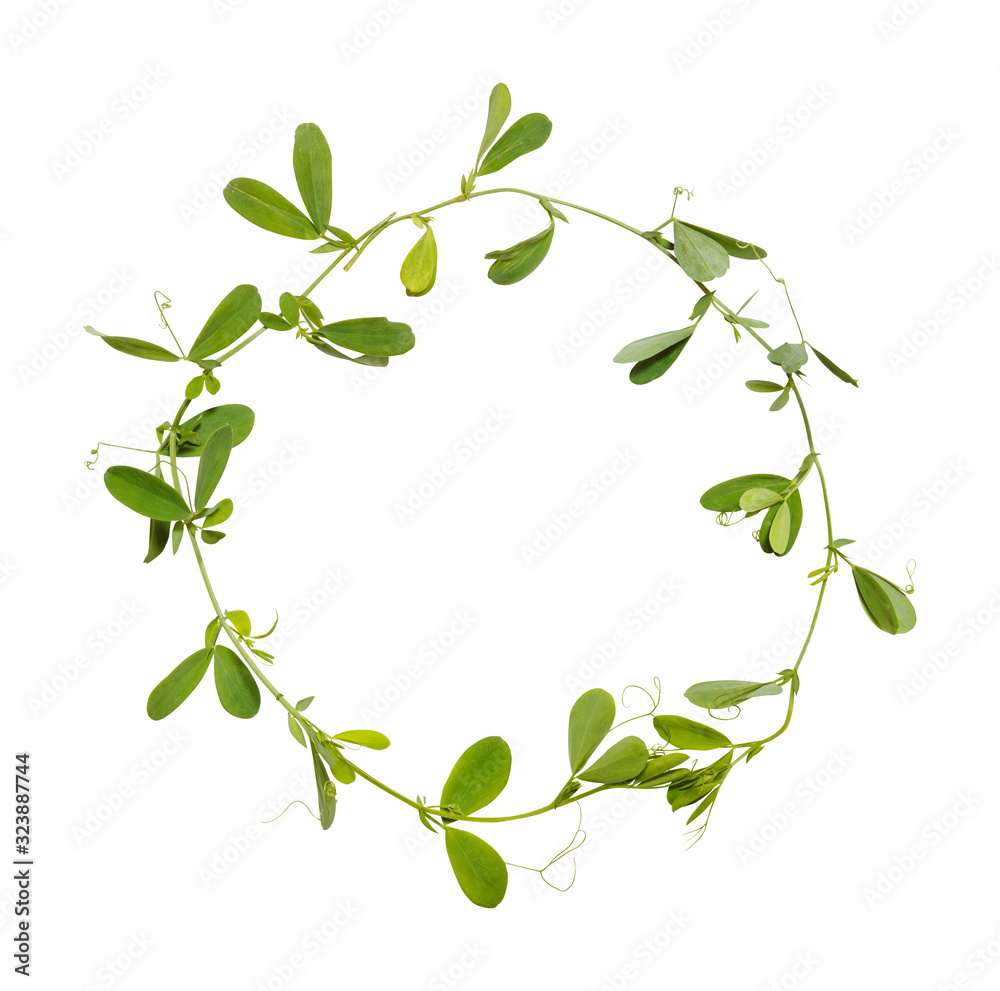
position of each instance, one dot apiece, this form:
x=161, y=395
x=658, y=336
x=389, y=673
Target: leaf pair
x=752, y=493
x=267, y=208
x=526, y=134
x=704, y=255
x=884, y=602
x=590, y=721
x=194, y=432
x=235, y=684
x=654, y=355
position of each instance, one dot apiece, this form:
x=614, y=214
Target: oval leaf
x=312, y=162
x=237, y=687
x=758, y=498
x=620, y=762
x=363, y=738
x=701, y=258
x=214, y=458
x=479, y=869
x=178, y=685
x=780, y=531
x=145, y=494
x=496, y=117
x=885, y=603
x=370, y=335
x=524, y=135
x=478, y=776
x=723, y=694
x=650, y=369
x=686, y=734
x=266, y=207
x=518, y=261
x=590, y=719
x=419, y=267
x=135, y=347
x=725, y=497
x=733, y=246
x=204, y=424
x=229, y=321
x=647, y=347
x=763, y=385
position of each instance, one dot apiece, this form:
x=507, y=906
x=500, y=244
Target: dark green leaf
x=312, y=162
x=685, y=734
x=622, y=761
x=725, y=497
x=762, y=385
x=266, y=207
x=364, y=738
x=723, y=694
x=518, y=261
x=478, y=776
x=326, y=790
x=647, y=347
x=479, y=869
x=214, y=458
x=496, y=117
x=212, y=536
x=178, y=685
x=419, y=268
x=701, y=258
x=376, y=360
x=176, y=535
x=229, y=321
x=733, y=246
x=791, y=357
x=524, y=135
x=884, y=602
x=145, y=494
x=133, y=346
x=370, y=335
x=839, y=372
x=237, y=687
x=159, y=536
x=652, y=368
x=204, y=424
x=590, y=719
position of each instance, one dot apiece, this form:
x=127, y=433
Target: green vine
x=177, y=508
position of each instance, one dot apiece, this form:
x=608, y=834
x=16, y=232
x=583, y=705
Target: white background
x=856, y=143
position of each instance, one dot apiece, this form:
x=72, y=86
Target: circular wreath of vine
x=178, y=507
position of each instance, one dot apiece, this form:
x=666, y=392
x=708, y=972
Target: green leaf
x=590, y=719
x=780, y=530
x=240, y=621
x=725, y=497
x=219, y=513
x=647, y=347
x=884, y=602
x=214, y=458
x=376, y=360
x=370, y=335
x=296, y=730
x=133, y=346
x=289, y=307
x=794, y=503
x=178, y=685
x=791, y=357
x=212, y=536
x=496, y=117
x=479, y=869
x=622, y=761
x=661, y=769
x=724, y=694
x=701, y=306
x=734, y=247
x=273, y=322
x=325, y=789
x=304, y=704
x=762, y=385
x=419, y=268
x=309, y=310
x=145, y=494
x=266, y=207
x=364, y=738
x=758, y=498
x=839, y=372
x=159, y=536
x=524, y=135
x=685, y=734
x=781, y=401
x=843, y=541
x=229, y=321
x=518, y=261
x=176, y=536
x=312, y=162
x=204, y=424
x=650, y=369
x=237, y=687
x=478, y=776
x=701, y=258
